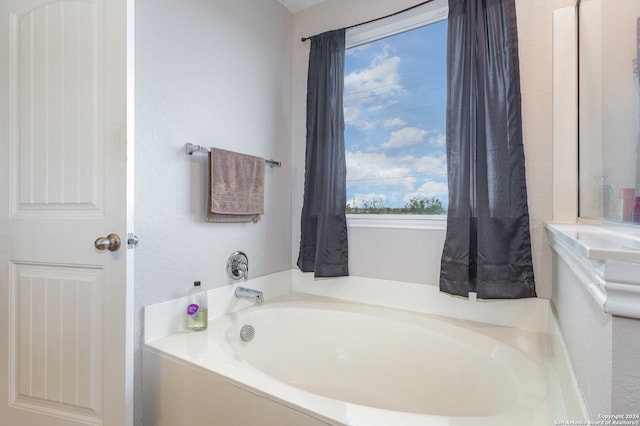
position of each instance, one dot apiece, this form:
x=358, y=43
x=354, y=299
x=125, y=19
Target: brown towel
x=236, y=187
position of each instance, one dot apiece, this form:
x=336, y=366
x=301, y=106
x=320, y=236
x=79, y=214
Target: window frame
x=430, y=13
x=398, y=221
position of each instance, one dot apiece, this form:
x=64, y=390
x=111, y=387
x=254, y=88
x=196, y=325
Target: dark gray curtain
x=487, y=247
x=323, y=241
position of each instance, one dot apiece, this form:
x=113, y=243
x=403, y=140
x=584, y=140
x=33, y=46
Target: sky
x=394, y=105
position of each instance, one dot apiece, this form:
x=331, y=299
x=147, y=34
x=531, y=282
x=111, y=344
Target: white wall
x=214, y=73
x=587, y=333
x=535, y=31
x=604, y=348
x=626, y=359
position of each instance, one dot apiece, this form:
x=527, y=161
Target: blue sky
x=394, y=99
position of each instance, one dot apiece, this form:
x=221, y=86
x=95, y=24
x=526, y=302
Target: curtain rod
x=303, y=39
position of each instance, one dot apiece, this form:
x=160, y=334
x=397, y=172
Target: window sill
x=606, y=260
x=388, y=221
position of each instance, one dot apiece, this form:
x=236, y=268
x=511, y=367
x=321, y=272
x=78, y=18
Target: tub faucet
x=248, y=293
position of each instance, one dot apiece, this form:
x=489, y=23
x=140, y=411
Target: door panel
x=64, y=342
x=58, y=344
x=58, y=104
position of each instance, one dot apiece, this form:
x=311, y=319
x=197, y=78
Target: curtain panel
x=323, y=239
x=487, y=246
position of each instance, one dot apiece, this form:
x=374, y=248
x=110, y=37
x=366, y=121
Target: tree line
x=415, y=205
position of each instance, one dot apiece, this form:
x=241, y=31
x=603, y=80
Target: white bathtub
x=317, y=360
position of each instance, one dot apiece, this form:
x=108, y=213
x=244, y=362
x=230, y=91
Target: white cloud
x=372, y=88
x=397, y=174
x=405, y=137
x=381, y=78
x=394, y=122
x=439, y=139
x=366, y=169
x=353, y=115
x=432, y=165
x=410, y=136
x=429, y=189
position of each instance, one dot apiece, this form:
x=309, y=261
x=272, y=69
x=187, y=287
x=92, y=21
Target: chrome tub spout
x=248, y=293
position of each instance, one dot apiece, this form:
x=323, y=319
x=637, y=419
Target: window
x=394, y=104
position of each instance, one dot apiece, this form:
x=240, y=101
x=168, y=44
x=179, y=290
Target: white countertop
x=602, y=242
x=607, y=260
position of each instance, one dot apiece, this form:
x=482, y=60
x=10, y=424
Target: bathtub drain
x=247, y=332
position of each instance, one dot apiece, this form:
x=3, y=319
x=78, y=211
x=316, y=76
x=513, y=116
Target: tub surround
x=596, y=274
x=171, y=352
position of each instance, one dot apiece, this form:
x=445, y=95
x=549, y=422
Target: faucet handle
x=243, y=269
x=238, y=266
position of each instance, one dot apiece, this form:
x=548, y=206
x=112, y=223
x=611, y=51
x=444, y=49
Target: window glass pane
x=394, y=103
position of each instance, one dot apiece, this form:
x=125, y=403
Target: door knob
x=111, y=242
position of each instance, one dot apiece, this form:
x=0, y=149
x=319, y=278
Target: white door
x=64, y=321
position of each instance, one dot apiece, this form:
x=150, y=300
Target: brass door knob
x=111, y=242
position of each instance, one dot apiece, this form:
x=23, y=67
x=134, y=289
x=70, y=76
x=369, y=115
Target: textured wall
x=587, y=333
x=213, y=73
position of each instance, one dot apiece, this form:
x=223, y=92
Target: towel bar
x=191, y=148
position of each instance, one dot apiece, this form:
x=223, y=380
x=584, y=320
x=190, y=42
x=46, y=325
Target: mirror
x=609, y=110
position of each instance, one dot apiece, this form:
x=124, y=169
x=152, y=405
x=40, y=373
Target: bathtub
x=314, y=359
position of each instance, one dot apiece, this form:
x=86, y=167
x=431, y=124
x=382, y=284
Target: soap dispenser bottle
x=197, y=309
